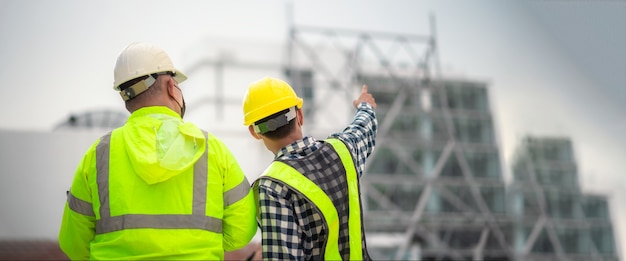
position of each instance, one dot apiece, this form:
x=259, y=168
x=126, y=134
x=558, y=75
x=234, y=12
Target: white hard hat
x=140, y=59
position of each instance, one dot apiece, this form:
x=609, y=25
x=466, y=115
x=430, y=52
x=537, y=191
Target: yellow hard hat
x=268, y=96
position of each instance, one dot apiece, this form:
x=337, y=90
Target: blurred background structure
x=95, y=119
x=436, y=186
x=433, y=187
x=553, y=218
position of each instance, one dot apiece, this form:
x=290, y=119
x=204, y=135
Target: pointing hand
x=364, y=97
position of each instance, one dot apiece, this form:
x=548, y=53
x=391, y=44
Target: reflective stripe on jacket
x=328, y=179
x=128, y=202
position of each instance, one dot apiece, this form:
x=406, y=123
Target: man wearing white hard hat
x=157, y=187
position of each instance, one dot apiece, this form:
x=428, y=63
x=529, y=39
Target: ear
x=254, y=134
x=170, y=84
x=300, y=117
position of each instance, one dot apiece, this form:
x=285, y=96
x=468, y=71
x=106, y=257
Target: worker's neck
x=275, y=145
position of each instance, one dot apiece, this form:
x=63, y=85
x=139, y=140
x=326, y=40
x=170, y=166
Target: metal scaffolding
x=433, y=188
x=554, y=219
x=421, y=187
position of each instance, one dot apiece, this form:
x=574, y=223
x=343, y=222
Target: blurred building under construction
x=434, y=187
x=551, y=215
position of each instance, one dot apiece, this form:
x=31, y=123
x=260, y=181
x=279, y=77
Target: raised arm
x=360, y=135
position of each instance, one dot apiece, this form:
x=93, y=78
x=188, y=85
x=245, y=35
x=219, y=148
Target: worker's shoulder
x=215, y=140
x=211, y=136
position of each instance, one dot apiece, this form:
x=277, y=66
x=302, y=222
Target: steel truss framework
x=402, y=70
x=432, y=189
x=426, y=190
x=556, y=216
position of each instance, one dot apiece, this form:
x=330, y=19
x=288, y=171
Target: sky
x=554, y=68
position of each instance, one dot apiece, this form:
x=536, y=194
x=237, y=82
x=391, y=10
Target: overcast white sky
x=553, y=67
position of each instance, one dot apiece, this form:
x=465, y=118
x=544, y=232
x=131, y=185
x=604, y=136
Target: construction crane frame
x=425, y=76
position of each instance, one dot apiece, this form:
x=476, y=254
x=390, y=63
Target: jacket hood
x=160, y=145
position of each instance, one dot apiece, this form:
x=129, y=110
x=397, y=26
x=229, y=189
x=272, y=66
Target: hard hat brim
x=179, y=77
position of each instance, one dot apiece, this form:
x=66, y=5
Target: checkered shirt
x=292, y=227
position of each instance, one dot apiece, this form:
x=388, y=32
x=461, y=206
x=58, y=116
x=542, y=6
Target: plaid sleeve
x=280, y=231
x=360, y=135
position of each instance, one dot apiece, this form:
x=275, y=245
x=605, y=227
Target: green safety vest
x=132, y=229
x=289, y=176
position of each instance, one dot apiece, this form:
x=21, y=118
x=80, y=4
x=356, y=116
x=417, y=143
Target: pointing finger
x=364, y=89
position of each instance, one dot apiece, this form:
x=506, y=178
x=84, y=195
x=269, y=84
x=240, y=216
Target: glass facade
x=546, y=197
x=437, y=168
x=433, y=188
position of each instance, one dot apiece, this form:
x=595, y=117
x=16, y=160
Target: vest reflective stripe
x=102, y=175
x=79, y=205
x=286, y=174
x=354, y=220
x=116, y=223
x=200, y=181
x=197, y=220
x=237, y=193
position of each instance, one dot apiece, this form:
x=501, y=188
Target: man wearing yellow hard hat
x=308, y=199
x=157, y=187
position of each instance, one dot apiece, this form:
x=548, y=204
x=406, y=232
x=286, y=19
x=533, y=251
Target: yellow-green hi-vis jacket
x=157, y=188
x=324, y=194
